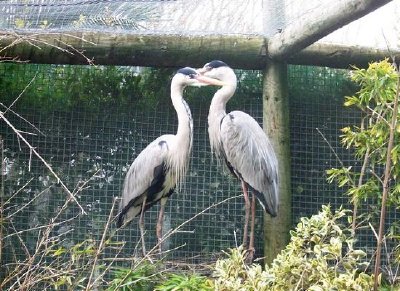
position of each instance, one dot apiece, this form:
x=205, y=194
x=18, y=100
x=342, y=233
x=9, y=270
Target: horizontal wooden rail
x=155, y=50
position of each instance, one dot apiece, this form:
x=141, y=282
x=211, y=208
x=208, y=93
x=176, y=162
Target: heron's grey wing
x=145, y=176
x=250, y=154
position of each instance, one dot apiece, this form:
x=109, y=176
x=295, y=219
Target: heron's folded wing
x=250, y=153
x=145, y=170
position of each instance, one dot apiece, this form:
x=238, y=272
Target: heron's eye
x=191, y=76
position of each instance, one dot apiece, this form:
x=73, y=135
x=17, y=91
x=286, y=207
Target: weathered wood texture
x=246, y=52
x=317, y=24
x=105, y=48
x=276, y=126
x=338, y=56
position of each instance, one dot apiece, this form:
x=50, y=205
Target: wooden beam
x=247, y=52
x=317, y=24
x=276, y=126
x=239, y=51
x=340, y=56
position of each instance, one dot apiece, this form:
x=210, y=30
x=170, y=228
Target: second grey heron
x=238, y=139
x=162, y=165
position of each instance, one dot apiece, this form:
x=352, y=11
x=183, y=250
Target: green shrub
x=233, y=274
x=184, y=282
x=319, y=256
x=140, y=278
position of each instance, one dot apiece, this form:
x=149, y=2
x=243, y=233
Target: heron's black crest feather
x=187, y=71
x=216, y=64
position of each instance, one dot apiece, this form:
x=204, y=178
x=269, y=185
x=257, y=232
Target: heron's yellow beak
x=209, y=81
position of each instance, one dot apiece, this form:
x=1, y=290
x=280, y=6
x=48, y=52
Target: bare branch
x=333, y=151
x=43, y=160
x=90, y=284
x=24, y=119
x=385, y=185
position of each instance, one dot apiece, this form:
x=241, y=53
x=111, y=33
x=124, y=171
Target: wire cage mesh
x=93, y=151
x=91, y=139
x=89, y=123
x=204, y=17
x=141, y=16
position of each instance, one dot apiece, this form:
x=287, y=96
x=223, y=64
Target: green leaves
x=85, y=87
x=142, y=277
x=152, y=276
x=375, y=180
x=233, y=274
x=378, y=85
x=320, y=256
x=342, y=176
x=183, y=282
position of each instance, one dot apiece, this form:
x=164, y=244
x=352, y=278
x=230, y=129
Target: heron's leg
x=160, y=223
x=252, y=226
x=247, y=214
x=141, y=226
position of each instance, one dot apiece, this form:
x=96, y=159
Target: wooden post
x=276, y=125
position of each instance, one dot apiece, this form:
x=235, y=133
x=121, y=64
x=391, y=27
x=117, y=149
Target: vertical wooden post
x=276, y=126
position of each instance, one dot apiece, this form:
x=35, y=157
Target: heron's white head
x=219, y=70
x=190, y=77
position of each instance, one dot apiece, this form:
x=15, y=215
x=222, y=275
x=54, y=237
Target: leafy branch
x=375, y=145
x=387, y=177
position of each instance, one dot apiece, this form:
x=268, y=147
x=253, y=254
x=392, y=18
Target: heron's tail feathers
x=120, y=219
x=133, y=209
x=267, y=201
x=129, y=212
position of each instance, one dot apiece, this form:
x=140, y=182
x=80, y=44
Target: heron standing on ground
x=239, y=140
x=161, y=166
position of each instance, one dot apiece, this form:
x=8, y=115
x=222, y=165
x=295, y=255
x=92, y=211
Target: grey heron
x=162, y=165
x=238, y=139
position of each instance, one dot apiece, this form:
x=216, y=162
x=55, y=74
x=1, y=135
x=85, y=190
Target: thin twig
x=35, y=41
x=170, y=233
x=386, y=182
x=27, y=204
x=22, y=92
x=2, y=173
x=89, y=61
x=24, y=119
x=175, y=230
x=333, y=151
x=52, y=225
x=360, y=181
x=100, y=248
x=43, y=160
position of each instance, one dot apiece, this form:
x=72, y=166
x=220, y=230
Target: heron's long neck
x=221, y=97
x=216, y=113
x=185, y=122
x=179, y=158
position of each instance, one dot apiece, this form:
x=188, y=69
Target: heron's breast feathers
x=177, y=161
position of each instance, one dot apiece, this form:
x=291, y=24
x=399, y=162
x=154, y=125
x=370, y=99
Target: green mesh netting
x=89, y=123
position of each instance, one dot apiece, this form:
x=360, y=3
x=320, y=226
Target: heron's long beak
x=209, y=81
x=201, y=71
